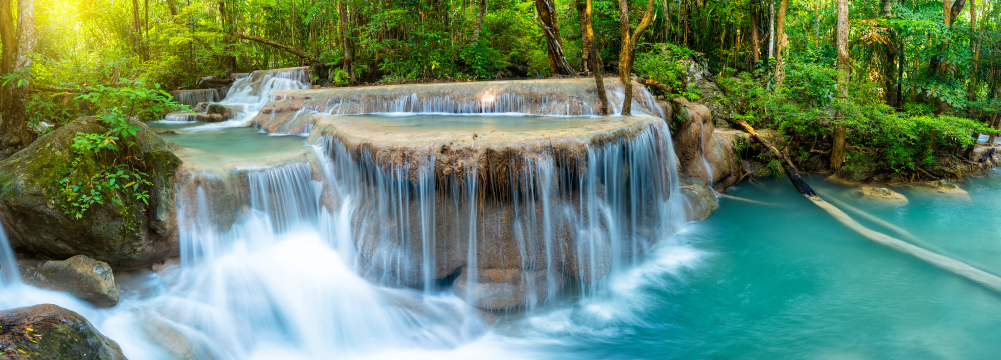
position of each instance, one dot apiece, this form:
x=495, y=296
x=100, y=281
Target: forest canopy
x=891, y=73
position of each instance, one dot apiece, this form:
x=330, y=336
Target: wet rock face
x=701, y=199
x=85, y=278
x=126, y=233
x=51, y=332
x=703, y=152
x=505, y=288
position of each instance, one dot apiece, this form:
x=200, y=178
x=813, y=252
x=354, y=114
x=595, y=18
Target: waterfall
x=8, y=264
x=581, y=217
x=281, y=279
x=250, y=93
x=564, y=97
x=195, y=97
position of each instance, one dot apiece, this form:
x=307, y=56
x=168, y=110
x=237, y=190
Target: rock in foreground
x=85, y=278
x=51, y=332
x=126, y=233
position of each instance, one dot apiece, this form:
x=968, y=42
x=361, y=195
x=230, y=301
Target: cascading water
x=352, y=253
x=8, y=265
x=568, y=97
x=195, y=97
x=249, y=94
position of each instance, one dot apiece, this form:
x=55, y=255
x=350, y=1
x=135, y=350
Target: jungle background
x=873, y=85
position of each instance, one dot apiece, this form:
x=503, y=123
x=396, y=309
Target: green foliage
x=666, y=63
x=807, y=109
x=115, y=150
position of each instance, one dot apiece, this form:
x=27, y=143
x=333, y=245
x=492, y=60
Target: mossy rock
x=52, y=333
x=127, y=235
x=858, y=168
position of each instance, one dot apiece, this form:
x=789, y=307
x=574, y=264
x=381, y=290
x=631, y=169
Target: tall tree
x=844, y=61
x=17, y=55
x=844, y=75
x=554, y=44
x=626, y=55
x=596, y=65
x=585, y=51
x=970, y=91
x=137, y=31
x=781, y=42
x=755, y=36
x=346, y=46
x=479, y=21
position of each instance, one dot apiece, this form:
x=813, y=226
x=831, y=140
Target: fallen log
x=655, y=84
x=954, y=266
x=987, y=155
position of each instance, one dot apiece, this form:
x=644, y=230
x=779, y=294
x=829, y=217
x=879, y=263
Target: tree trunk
x=771, y=29
x=172, y=7
x=596, y=65
x=667, y=21
x=844, y=61
x=137, y=31
x=994, y=126
x=889, y=60
x=585, y=51
x=626, y=56
x=840, y=146
x=781, y=43
x=15, y=98
x=554, y=44
x=479, y=21
x=970, y=91
x=349, y=53
x=227, y=25
x=844, y=75
x=755, y=37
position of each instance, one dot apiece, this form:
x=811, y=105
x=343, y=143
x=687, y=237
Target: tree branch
x=301, y=54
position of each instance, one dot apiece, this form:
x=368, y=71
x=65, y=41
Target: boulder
x=703, y=152
x=883, y=194
x=701, y=200
x=176, y=341
x=947, y=188
x=122, y=231
x=51, y=332
x=505, y=288
x=224, y=112
x=85, y=278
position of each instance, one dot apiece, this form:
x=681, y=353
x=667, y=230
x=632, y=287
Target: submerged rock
x=122, y=231
x=505, y=288
x=85, y=278
x=51, y=332
x=947, y=188
x=883, y=194
x=176, y=341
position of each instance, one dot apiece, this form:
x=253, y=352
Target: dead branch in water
x=956, y=267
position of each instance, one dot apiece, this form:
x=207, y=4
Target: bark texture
x=844, y=61
x=15, y=98
x=479, y=21
x=626, y=56
x=346, y=46
x=781, y=43
x=554, y=44
x=585, y=52
x=596, y=65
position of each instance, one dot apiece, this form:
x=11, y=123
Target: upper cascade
x=289, y=110
x=249, y=93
